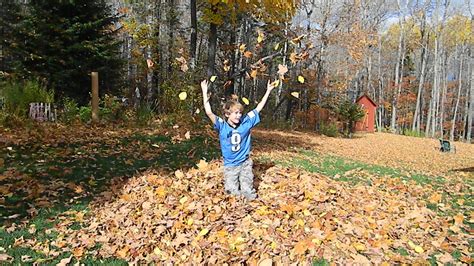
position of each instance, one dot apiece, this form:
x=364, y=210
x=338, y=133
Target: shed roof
x=368, y=98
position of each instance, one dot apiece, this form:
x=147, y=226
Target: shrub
x=70, y=111
x=85, y=113
x=19, y=94
x=413, y=133
x=350, y=113
x=113, y=109
x=328, y=129
x=145, y=113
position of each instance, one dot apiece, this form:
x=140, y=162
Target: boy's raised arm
x=262, y=103
x=207, y=106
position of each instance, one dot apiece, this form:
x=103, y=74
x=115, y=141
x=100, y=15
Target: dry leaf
x=64, y=261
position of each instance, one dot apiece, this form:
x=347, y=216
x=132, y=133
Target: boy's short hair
x=232, y=104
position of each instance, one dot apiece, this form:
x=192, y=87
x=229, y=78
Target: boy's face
x=233, y=118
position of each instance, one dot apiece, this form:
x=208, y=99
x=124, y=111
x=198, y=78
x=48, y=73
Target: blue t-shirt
x=235, y=142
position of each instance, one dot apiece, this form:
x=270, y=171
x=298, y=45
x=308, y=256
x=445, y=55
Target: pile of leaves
x=299, y=217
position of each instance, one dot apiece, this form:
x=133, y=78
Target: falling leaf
x=248, y=54
x=293, y=58
x=300, y=79
x=183, y=95
x=213, y=78
x=150, y=63
x=298, y=39
x=253, y=73
x=242, y=48
x=282, y=69
x=197, y=111
x=245, y=100
x=276, y=46
x=187, y=135
x=295, y=94
x=260, y=37
x=183, y=62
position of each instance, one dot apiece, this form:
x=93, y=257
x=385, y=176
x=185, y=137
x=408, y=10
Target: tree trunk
x=453, y=121
x=171, y=16
x=212, y=49
x=471, y=107
x=443, y=93
x=148, y=49
x=430, y=121
x=194, y=29
x=398, y=69
x=241, y=78
x=380, y=88
x=157, y=53
x=424, y=43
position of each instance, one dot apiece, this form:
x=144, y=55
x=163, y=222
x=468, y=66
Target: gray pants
x=238, y=180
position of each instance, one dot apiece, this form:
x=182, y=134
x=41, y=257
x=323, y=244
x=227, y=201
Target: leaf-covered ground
x=143, y=195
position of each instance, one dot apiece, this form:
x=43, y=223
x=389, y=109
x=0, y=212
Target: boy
x=234, y=137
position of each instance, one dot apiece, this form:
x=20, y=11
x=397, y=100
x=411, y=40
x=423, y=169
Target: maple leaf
x=64, y=261
x=282, y=69
x=253, y=73
x=202, y=165
x=300, y=248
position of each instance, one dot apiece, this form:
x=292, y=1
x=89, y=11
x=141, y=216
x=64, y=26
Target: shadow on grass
x=467, y=170
x=36, y=176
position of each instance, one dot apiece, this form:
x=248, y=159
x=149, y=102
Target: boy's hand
x=270, y=85
x=204, y=84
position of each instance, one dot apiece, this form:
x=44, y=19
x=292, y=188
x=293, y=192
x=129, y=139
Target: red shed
x=367, y=123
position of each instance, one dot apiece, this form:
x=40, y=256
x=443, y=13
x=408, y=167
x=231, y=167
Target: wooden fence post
x=95, y=97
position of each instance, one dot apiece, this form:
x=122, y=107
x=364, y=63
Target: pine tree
x=61, y=42
x=9, y=17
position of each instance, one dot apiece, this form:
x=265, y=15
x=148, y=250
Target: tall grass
x=19, y=94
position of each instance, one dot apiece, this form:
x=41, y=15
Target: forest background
x=413, y=58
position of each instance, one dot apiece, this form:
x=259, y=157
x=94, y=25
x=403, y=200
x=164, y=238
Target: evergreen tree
x=9, y=17
x=63, y=41
x=350, y=113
